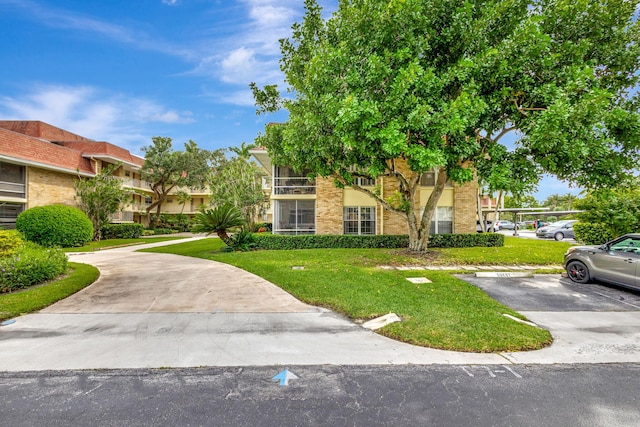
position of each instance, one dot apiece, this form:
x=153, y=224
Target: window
x=8, y=214
x=294, y=217
x=428, y=179
x=442, y=223
x=359, y=220
x=362, y=182
x=12, y=180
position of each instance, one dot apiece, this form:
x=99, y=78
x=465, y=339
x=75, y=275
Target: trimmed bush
x=30, y=265
x=314, y=241
x=10, y=242
x=592, y=234
x=55, y=225
x=122, y=231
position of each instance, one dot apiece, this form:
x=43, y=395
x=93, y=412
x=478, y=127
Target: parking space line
x=617, y=300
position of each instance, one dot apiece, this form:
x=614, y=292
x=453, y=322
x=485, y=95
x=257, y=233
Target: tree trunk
x=419, y=238
x=222, y=234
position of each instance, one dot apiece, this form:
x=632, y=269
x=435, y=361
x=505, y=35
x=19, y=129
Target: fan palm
x=218, y=220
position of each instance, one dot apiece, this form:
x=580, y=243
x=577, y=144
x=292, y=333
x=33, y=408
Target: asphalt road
x=475, y=395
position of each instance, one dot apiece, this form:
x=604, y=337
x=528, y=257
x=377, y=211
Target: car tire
x=558, y=236
x=578, y=272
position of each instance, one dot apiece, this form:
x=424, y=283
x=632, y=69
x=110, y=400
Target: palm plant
x=218, y=220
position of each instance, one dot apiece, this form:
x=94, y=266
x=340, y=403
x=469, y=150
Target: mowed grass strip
x=40, y=296
x=446, y=314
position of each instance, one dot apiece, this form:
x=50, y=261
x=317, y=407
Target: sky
x=124, y=71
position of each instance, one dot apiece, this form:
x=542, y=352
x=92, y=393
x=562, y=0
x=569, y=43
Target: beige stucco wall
x=46, y=187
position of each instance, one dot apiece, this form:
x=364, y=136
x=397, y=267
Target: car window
x=630, y=244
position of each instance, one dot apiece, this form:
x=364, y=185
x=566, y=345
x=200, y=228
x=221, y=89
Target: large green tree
x=100, y=197
x=440, y=83
x=617, y=209
x=238, y=182
x=167, y=169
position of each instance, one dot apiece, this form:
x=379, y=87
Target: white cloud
x=242, y=98
x=92, y=112
x=170, y=2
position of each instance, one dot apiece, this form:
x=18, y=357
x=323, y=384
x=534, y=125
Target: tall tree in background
x=168, y=170
x=617, y=209
x=238, y=182
x=101, y=197
x=400, y=87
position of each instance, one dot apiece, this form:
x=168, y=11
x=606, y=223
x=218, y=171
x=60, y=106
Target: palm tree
x=243, y=150
x=218, y=220
x=183, y=197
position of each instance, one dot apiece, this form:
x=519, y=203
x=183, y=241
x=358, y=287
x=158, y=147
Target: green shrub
x=122, y=231
x=314, y=241
x=55, y=225
x=157, y=231
x=30, y=265
x=10, y=241
x=242, y=241
x=592, y=234
x=262, y=227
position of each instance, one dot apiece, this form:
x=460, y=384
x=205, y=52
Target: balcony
x=293, y=185
x=122, y=216
x=135, y=183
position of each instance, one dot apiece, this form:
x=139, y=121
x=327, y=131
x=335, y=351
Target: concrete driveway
x=158, y=310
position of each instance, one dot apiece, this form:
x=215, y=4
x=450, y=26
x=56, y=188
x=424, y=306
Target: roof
x=44, y=145
x=29, y=150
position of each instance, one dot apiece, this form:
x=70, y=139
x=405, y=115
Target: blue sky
x=124, y=71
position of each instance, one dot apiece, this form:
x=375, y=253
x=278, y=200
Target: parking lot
x=551, y=292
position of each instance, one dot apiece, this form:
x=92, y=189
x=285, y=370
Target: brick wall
x=48, y=187
x=464, y=208
x=328, y=207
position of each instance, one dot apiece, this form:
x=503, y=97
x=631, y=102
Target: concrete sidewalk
x=158, y=310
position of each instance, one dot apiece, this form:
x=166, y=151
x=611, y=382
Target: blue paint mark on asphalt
x=7, y=322
x=284, y=377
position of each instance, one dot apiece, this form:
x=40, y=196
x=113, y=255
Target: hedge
x=315, y=241
x=55, y=225
x=122, y=231
x=592, y=234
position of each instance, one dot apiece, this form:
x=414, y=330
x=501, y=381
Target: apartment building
x=303, y=206
x=39, y=164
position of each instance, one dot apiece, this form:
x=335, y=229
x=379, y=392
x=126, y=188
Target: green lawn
x=447, y=314
x=111, y=243
x=38, y=297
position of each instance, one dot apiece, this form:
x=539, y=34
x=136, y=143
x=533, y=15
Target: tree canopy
x=100, y=197
x=438, y=84
x=237, y=182
x=166, y=169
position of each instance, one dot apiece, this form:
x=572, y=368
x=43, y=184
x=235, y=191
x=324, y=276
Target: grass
x=447, y=314
x=38, y=297
x=110, y=243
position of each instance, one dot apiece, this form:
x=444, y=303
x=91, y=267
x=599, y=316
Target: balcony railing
x=135, y=183
x=291, y=185
x=123, y=216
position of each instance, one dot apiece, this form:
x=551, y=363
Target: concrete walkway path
x=157, y=310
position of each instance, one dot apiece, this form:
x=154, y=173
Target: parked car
x=503, y=225
x=558, y=230
x=488, y=226
x=616, y=262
